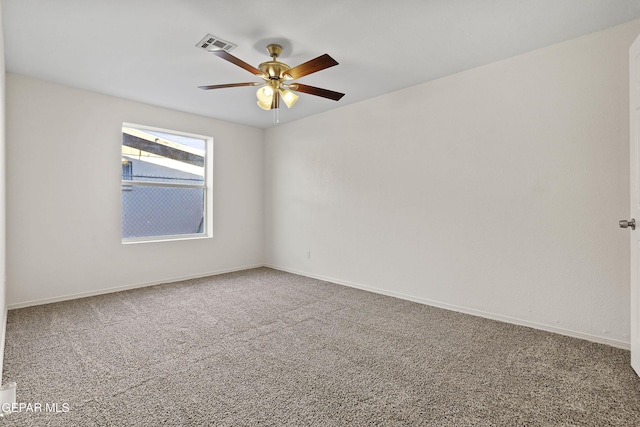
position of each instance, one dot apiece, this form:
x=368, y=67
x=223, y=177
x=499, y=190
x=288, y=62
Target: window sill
x=137, y=240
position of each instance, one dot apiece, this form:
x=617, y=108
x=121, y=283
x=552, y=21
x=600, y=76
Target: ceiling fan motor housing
x=274, y=69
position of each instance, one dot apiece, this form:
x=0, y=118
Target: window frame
x=207, y=186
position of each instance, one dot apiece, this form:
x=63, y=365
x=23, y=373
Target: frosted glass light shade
x=289, y=97
x=265, y=94
x=265, y=97
x=263, y=105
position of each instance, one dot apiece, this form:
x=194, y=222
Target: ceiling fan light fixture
x=288, y=97
x=276, y=76
x=265, y=94
x=263, y=105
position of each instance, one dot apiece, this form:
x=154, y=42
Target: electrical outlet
x=308, y=254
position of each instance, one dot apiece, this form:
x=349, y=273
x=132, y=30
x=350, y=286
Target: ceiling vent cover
x=211, y=42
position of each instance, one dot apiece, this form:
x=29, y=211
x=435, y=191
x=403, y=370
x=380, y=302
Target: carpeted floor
x=264, y=347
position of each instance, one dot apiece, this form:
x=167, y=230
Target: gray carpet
x=263, y=347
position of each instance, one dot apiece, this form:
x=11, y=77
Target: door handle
x=628, y=224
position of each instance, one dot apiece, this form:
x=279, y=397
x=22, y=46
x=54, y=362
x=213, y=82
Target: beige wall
x=63, y=175
x=495, y=191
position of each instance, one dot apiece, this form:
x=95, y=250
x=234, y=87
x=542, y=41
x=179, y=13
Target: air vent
x=211, y=42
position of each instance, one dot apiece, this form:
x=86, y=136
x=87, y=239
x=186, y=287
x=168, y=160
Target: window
x=166, y=188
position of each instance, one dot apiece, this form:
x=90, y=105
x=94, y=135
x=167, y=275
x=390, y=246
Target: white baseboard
x=561, y=331
x=125, y=288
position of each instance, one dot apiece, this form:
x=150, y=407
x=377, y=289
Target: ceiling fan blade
x=312, y=90
x=229, y=85
x=237, y=61
x=316, y=64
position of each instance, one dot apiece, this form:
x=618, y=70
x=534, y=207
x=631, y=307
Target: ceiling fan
x=277, y=75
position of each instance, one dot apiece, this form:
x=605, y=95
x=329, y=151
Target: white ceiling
x=144, y=50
